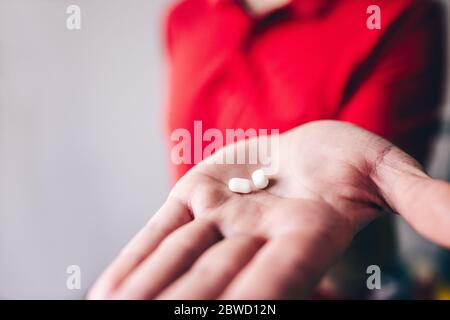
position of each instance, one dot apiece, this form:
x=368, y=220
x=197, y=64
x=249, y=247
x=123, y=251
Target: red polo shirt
x=314, y=59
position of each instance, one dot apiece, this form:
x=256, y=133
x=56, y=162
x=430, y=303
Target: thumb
x=422, y=201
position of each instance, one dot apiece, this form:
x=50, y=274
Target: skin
x=209, y=243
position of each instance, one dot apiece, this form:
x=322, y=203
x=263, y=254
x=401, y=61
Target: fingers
x=423, y=202
x=171, y=259
x=214, y=270
x=172, y=215
x=287, y=267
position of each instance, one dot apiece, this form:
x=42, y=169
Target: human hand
x=207, y=242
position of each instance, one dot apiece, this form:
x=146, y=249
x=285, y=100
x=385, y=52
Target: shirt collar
x=304, y=8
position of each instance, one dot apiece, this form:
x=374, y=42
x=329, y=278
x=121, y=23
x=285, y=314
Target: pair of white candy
x=241, y=185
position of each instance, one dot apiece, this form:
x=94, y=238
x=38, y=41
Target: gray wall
x=82, y=157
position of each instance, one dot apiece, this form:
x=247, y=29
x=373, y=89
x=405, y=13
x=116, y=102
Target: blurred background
x=82, y=153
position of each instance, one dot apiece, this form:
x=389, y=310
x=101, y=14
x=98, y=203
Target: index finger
x=171, y=216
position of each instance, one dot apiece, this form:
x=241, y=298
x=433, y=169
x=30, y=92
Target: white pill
x=260, y=180
x=240, y=185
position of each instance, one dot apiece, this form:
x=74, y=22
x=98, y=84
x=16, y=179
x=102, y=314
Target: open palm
x=332, y=179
